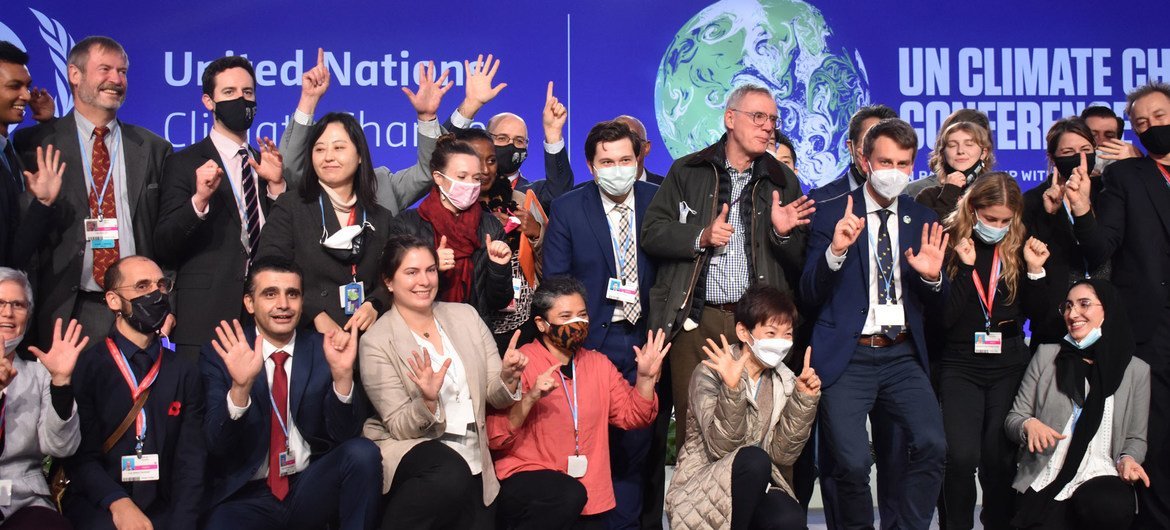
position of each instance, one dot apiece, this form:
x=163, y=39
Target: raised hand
x=544, y=385
x=724, y=363
x=425, y=377
x=808, y=382
x=847, y=230
x=965, y=250
x=650, y=356
x=1131, y=471
x=477, y=87
x=314, y=84
x=207, y=179
x=243, y=359
x=791, y=215
x=1035, y=255
x=928, y=261
x=1040, y=436
x=45, y=184
x=1054, y=195
x=1117, y=149
x=271, y=164
x=513, y=363
x=7, y=372
x=718, y=233
x=446, y=255
x=498, y=251
x=430, y=92
x=62, y=356
x=41, y=104
x=554, y=117
x=362, y=318
x=1076, y=190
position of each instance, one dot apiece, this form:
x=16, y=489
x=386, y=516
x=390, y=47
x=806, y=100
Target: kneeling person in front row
x=284, y=417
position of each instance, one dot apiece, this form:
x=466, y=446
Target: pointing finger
x=807, y=359
x=321, y=57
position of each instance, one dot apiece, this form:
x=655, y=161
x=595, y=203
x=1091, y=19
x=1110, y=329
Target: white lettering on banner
x=181, y=69
x=183, y=128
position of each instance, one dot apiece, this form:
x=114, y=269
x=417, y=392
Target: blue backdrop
x=670, y=63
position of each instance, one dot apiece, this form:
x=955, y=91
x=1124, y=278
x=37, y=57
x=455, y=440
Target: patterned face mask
x=570, y=336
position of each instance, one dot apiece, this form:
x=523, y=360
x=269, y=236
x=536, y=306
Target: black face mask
x=148, y=312
x=970, y=172
x=509, y=157
x=1156, y=139
x=236, y=114
x=1066, y=164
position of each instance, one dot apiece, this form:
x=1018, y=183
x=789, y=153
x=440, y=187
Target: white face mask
x=889, y=183
x=616, y=180
x=343, y=238
x=770, y=352
x=11, y=344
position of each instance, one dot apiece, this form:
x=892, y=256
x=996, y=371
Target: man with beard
x=140, y=464
x=108, y=202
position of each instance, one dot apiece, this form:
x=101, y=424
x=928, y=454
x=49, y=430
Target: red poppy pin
x=175, y=407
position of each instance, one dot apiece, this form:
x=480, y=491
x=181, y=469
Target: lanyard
x=1162, y=170
x=877, y=261
x=352, y=220
x=619, y=249
x=136, y=388
x=88, y=169
x=987, y=299
x=276, y=413
x=573, y=409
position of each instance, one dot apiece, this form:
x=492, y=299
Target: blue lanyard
x=573, y=409
x=321, y=203
x=877, y=260
x=276, y=413
x=86, y=167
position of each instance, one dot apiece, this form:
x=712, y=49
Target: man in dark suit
x=875, y=280
x=153, y=473
x=1131, y=224
x=854, y=177
x=644, y=174
x=110, y=183
x=215, y=195
x=592, y=236
x=296, y=460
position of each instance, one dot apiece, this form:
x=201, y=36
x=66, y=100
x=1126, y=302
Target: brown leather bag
x=59, y=482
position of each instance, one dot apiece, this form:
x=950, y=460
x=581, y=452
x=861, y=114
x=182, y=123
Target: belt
x=726, y=308
x=878, y=340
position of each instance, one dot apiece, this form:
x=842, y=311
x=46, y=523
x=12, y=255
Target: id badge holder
x=618, y=291
x=5, y=492
x=578, y=465
x=136, y=468
x=989, y=342
x=456, y=422
x=353, y=294
x=288, y=463
x=889, y=315
x=101, y=233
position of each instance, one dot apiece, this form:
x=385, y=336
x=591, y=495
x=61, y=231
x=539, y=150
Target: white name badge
x=989, y=342
x=889, y=315
x=517, y=285
x=139, y=468
x=5, y=492
x=101, y=233
x=616, y=290
x=578, y=464
x=457, y=420
x=288, y=463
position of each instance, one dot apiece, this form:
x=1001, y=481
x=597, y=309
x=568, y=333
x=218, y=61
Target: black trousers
x=1100, y=503
x=753, y=505
x=975, y=402
x=1155, y=500
x=434, y=488
x=545, y=500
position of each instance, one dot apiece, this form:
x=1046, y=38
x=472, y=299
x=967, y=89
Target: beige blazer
x=402, y=420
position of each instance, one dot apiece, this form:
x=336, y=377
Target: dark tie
x=9, y=160
x=141, y=363
x=887, y=291
x=277, y=442
x=102, y=257
x=629, y=262
x=251, y=203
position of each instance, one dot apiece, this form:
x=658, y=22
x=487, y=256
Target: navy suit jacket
x=237, y=448
x=832, y=190
x=843, y=295
x=578, y=243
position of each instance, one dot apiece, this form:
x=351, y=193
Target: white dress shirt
x=615, y=220
x=1097, y=461
x=455, y=402
x=116, y=145
x=229, y=152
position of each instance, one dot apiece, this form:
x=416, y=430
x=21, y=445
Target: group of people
x=459, y=345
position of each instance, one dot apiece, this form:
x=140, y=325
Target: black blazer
x=206, y=253
x=239, y=447
x=174, y=413
x=1131, y=224
x=23, y=219
x=59, y=262
x=294, y=231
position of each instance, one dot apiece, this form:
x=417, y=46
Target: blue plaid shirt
x=729, y=273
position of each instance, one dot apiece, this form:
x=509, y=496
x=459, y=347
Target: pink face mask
x=462, y=195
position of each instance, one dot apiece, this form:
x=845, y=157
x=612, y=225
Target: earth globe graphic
x=783, y=45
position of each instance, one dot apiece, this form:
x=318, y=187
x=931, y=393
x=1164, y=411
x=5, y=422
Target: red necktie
x=102, y=257
x=277, y=442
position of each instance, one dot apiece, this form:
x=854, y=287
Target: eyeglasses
x=1082, y=305
x=18, y=306
x=145, y=286
x=760, y=118
x=503, y=139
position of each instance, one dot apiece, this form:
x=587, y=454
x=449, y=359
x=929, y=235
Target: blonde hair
x=982, y=137
x=991, y=189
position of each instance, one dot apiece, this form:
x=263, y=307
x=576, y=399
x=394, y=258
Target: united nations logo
x=58, y=42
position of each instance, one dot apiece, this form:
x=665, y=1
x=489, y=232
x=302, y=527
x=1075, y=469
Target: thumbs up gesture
x=718, y=234
x=446, y=255
x=808, y=382
x=498, y=251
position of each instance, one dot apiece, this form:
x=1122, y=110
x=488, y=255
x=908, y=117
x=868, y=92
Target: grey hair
x=552, y=288
x=740, y=91
x=1153, y=87
x=13, y=275
x=79, y=54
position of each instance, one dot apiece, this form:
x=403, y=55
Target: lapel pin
x=906, y=219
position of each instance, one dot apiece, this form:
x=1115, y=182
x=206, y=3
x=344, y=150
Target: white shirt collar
x=871, y=205
x=228, y=148
x=267, y=348
x=86, y=127
x=608, y=205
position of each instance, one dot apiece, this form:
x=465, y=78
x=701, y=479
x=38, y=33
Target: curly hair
x=991, y=189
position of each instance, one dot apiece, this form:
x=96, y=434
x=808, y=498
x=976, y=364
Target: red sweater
x=545, y=440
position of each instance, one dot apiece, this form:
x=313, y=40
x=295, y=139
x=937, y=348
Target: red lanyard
x=1162, y=170
x=987, y=299
x=352, y=220
x=136, y=388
